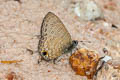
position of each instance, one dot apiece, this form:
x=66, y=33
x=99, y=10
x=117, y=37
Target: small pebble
x=106, y=58
x=114, y=26
x=106, y=24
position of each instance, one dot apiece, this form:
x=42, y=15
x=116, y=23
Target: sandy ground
x=20, y=23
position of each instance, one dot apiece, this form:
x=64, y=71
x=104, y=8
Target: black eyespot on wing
x=44, y=53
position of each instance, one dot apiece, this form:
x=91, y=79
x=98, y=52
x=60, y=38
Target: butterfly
x=55, y=40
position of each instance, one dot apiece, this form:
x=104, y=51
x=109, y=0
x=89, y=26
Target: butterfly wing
x=54, y=37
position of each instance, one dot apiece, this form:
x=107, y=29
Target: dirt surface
x=20, y=22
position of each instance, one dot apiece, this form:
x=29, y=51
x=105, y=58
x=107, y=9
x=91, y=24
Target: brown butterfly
x=54, y=39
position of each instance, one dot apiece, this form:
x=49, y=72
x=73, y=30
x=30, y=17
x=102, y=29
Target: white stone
x=106, y=58
x=106, y=24
x=87, y=10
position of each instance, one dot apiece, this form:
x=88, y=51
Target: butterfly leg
x=38, y=36
x=56, y=60
x=40, y=59
x=31, y=51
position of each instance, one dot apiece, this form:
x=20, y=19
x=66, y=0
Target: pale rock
x=88, y=10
